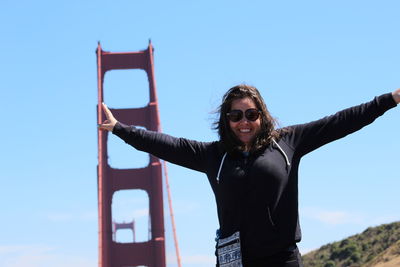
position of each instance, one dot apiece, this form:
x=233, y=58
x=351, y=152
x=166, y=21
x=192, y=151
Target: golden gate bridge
x=150, y=253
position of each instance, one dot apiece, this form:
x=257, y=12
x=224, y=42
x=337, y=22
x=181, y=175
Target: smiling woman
x=253, y=170
x=249, y=132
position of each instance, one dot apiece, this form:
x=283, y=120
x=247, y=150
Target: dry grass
x=389, y=258
x=395, y=262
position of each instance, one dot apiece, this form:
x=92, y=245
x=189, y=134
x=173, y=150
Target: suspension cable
x=171, y=211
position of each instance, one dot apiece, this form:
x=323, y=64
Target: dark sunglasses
x=236, y=115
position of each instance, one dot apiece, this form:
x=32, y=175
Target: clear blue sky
x=308, y=58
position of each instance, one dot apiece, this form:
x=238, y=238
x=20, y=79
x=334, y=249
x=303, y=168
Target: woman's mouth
x=244, y=130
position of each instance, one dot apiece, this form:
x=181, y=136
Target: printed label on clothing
x=229, y=252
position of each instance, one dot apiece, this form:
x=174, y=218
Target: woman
x=253, y=170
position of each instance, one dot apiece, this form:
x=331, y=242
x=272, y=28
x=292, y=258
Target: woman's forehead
x=243, y=103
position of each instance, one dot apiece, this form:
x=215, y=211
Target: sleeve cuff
x=117, y=127
x=122, y=130
x=387, y=100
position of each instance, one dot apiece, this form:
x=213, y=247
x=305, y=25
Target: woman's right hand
x=109, y=123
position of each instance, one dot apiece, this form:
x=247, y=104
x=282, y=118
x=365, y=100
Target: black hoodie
x=257, y=194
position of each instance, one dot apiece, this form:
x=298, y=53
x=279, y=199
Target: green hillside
x=358, y=250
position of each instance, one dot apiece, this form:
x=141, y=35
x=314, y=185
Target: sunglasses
x=236, y=115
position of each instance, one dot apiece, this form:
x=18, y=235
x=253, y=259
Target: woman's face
x=245, y=129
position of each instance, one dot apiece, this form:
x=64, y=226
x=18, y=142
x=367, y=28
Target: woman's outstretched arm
x=309, y=136
x=181, y=151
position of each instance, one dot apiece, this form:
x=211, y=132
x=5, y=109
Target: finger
x=106, y=127
x=106, y=111
x=104, y=124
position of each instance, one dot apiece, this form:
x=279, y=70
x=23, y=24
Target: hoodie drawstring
x=220, y=167
x=282, y=152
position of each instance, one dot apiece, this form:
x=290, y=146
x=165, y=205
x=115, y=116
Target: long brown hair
x=228, y=139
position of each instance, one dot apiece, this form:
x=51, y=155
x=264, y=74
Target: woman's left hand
x=396, y=96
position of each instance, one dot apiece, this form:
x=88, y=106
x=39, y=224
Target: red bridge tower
x=110, y=180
